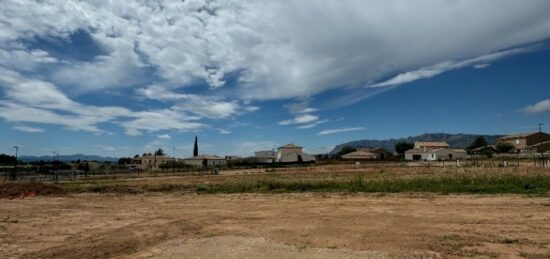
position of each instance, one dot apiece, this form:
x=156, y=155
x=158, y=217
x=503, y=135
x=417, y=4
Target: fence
x=41, y=174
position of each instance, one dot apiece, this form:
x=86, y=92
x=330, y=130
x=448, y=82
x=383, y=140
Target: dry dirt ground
x=275, y=226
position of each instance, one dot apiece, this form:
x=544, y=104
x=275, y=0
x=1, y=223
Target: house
x=421, y=149
x=382, y=153
x=151, y=161
x=446, y=154
x=292, y=153
x=232, y=158
x=541, y=147
x=489, y=149
x=265, y=156
x=425, y=146
x=523, y=140
x=416, y=154
x=361, y=155
x=201, y=160
x=435, y=154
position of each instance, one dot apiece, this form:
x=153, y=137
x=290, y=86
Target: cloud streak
x=339, y=130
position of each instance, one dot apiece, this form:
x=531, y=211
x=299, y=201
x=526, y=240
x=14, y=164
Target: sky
x=118, y=78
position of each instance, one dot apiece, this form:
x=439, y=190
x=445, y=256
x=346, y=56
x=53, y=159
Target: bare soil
x=274, y=226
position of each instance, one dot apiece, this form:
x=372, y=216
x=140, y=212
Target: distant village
x=524, y=144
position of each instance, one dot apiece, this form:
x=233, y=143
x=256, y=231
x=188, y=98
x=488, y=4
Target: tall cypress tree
x=196, y=148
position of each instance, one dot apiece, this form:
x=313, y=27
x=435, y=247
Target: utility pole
x=13, y=177
x=540, y=127
x=174, y=161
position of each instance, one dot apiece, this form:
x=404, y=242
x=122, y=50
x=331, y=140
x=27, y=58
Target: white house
x=265, y=156
x=446, y=154
x=292, y=153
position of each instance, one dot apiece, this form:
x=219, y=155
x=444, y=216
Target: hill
x=454, y=140
x=68, y=158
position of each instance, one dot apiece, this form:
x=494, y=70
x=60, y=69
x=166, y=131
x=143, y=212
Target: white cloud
x=37, y=101
x=540, y=107
x=332, y=131
x=276, y=50
x=300, y=119
x=203, y=106
x=480, y=66
x=155, y=120
x=28, y=129
x=312, y=125
x=164, y=136
x=224, y=131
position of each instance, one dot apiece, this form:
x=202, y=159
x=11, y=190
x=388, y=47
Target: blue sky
x=119, y=79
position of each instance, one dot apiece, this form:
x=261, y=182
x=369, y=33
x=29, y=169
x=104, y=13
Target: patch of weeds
x=451, y=237
x=533, y=255
x=10, y=220
x=482, y=184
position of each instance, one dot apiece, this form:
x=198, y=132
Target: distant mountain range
x=454, y=140
x=68, y=158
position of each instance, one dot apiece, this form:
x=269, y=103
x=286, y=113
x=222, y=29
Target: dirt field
x=274, y=226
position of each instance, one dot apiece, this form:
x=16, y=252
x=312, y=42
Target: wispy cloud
x=431, y=71
x=28, y=129
x=312, y=125
x=540, y=107
x=300, y=119
x=164, y=136
x=339, y=130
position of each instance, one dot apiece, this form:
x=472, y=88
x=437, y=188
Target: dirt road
x=274, y=226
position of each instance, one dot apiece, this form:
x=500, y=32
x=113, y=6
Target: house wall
x=293, y=157
x=265, y=156
x=518, y=143
x=285, y=151
x=151, y=162
x=209, y=162
x=410, y=156
x=444, y=155
x=522, y=142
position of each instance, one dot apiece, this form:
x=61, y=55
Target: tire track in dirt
x=118, y=242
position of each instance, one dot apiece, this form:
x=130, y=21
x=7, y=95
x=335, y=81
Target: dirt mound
x=22, y=190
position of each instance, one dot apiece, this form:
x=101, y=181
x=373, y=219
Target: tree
x=504, y=147
x=125, y=161
x=402, y=147
x=204, y=162
x=345, y=150
x=7, y=159
x=478, y=142
x=196, y=147
x=159, y=152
